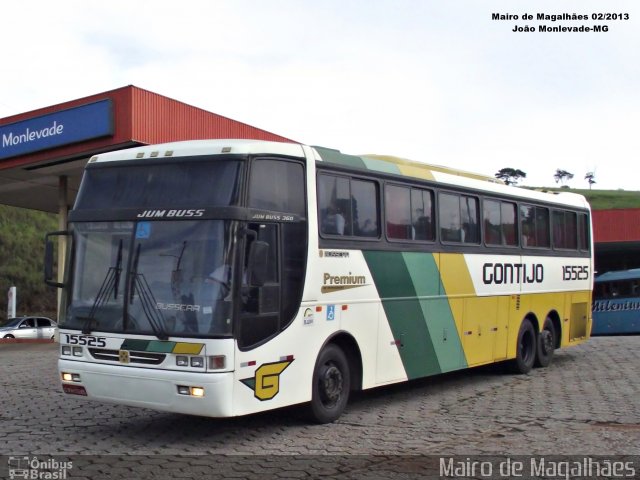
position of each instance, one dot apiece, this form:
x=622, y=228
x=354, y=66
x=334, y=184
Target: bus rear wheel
x=525, y=349
x=546, y=344
x=331, y=385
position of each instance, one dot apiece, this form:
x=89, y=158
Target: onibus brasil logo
x=35, y=468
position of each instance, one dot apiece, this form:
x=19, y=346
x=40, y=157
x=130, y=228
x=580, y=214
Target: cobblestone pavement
x=586, y=403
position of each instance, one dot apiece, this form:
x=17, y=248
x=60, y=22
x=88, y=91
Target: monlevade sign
x=74, y=125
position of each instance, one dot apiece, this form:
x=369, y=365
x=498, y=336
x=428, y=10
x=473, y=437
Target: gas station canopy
x=43, y=152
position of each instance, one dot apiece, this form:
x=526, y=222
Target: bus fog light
x=218, y=362
x=182, y=361
x=77, y=351
x=197, y=362
x=75, y=377
x=197, y=391
x=184, y=390
x=66, y=350
x=67, y=377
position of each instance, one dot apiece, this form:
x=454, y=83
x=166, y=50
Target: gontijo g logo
x=266, y=381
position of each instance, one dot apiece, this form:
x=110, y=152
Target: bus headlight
x=66, y=350
x=182, y=361
x=197, y=362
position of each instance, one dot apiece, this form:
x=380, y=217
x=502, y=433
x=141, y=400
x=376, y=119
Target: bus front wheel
x=525, y=349
x=546, y=344
x=331, y=385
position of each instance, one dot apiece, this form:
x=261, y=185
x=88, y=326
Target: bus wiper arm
x=111, y=281
x=101, y=298
x=147, y=300
x=118, y=271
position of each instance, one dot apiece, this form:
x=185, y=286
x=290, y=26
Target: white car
x=29, y=327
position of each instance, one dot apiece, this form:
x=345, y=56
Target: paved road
x=586, y=403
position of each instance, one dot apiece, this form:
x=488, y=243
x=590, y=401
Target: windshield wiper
x=147, y=300
x=111, y=281
x=118, y=271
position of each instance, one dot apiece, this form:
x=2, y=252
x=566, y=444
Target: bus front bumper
x=156, y=389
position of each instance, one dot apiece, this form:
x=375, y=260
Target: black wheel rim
x=330, y=383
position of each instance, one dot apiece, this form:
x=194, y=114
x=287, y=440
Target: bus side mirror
x=257, y=264
x=49, y=258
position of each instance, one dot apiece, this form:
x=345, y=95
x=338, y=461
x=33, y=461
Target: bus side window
x=535, y=226
x=459, y=218
x=333, y=200
x=347, y=206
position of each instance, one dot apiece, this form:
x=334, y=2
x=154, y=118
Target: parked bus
x=616, y=303
x=228, y=277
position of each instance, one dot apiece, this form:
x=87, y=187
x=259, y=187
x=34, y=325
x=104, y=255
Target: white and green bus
x=227, y=277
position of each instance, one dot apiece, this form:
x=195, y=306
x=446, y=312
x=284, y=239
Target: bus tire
x=331, y=385
x=546, y=344
x=525, y=349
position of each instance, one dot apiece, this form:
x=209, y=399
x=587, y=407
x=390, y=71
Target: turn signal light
x=217, y=362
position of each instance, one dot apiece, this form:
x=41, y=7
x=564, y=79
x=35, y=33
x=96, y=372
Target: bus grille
x=134, y=357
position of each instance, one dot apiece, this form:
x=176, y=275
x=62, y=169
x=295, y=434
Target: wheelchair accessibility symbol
x=331, y=312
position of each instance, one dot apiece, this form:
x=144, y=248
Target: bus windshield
x=165, y=278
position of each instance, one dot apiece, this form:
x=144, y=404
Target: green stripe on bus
x=334, y=156
x=156, y=346
x=136, y=345
x=381, y=166
x=160, y=347
x=404, y=312
x=436, y=310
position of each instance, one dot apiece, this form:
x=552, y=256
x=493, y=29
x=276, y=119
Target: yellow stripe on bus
x=188, y=348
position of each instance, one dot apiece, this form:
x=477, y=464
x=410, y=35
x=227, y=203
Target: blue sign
x=143, y=230
x=56, y=129
x=331, y=312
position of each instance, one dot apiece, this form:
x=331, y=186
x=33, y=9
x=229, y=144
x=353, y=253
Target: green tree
x=510, y=176
x=562, y=176
x=21, y=260
x=590, y=177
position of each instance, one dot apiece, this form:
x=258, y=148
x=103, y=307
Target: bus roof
x=378, y=163
x=191, y=148
x=631, y=274
x=445, y=175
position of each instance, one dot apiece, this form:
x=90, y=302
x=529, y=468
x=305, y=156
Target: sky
x=436, y=81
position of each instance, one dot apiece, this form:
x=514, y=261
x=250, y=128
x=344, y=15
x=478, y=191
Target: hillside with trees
x=21, y=261
x=603, y=199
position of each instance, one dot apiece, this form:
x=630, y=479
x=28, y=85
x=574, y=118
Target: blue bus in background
x=616, y=303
